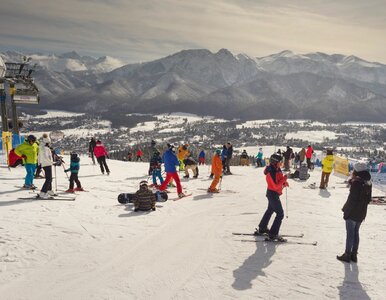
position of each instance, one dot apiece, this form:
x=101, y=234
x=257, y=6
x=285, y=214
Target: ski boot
x=276, y=238
x=261, y=231
x=181, y=195
x=346, y=257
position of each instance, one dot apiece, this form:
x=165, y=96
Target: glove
x=153, y=209
x=24, y=156
x=286, y=184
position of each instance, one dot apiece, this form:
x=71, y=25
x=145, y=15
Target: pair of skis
x=54, y=197
x=268, y=240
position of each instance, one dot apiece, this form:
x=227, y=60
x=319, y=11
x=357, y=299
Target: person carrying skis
x=327, y=164
x=355, y=209
x=190, y=164
x=91, y=146
x=74, y=169
x=46, y=162
x=275, y=181
x=144, y=198
x=155, y=166
x=170, y=162
x=217, y=169
x=201, y=158
x=29, y=151
x=101, y=154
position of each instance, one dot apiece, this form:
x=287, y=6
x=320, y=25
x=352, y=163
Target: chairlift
x=26, y=92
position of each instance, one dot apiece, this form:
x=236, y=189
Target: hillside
x=94, y=248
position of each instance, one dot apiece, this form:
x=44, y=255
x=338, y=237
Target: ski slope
x=95, y=248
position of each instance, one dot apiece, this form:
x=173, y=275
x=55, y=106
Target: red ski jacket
x=100, y=150
x=275, y=179
x=309, y=152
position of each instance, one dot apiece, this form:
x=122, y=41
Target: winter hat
x=99, y=142
x=360, y=166
x=218, y=151
x=275, y=158
x=143, y=183
x=46, y=139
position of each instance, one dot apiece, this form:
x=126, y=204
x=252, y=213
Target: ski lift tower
x=22, y=90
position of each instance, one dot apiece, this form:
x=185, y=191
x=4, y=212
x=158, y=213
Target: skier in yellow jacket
x=183, y=152
x=29, y=151
x=327, y=165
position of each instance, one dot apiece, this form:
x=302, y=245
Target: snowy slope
x=94, y=248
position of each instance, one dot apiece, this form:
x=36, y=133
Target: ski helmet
x=275, y=158
x=31, y=138
x=74, y=155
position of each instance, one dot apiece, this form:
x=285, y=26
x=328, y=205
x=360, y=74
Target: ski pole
x=286, y=202
x=56, y=181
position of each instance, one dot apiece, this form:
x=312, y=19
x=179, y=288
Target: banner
x=7, y=142
x=341, y=165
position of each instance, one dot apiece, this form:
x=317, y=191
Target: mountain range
x=313, y=86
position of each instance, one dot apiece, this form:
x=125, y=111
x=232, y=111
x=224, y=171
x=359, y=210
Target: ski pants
x=215, y=181
x=157, y=173
x=92, y=157
x=352, y=236
x=274, y=206
x=102, y=163
x=193, y=168
x=169, y=176
x=74, y=178
x=324, y=179
x=29, y=177
x=47, y=186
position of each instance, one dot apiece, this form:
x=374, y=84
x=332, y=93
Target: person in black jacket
x=287, y=157
x=355, y=209
x=91, y=146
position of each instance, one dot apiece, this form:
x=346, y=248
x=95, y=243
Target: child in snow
x=155, y=167
x=144, y=199
x=101, y=154
x=355, y=209
x=216, y=171
x=74, y=169
x=276, y=181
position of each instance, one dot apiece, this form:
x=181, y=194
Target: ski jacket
x=144, y=199
x=91, y=145
x=28, y=152
x=182, y=152
x=302, y=154
x=355, y=207
x=139, y=153
x=216, y=165
x=327, y=163
x=244, y=155
x=170, y=161
x=45, y=156
x=13, y=159
x=230, y=151
x=287, y=153
x=260, y=155
x=100, y=150
x=202, y=154
x=189, y=161
x=309, y=152
x=155, y=162
x=275, y=179
x=224, y=153
x=74, y=166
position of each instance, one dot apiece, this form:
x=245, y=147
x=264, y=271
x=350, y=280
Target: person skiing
x=155, y=166
x=101, y=154
x=259, y=158
x=275, y=181
x=170, y=162
x=74, y=169
x=309, y=156
x=46, y=162
x=91, y=146
x=29, y=151
x=327, y=164
x=355, y=209
x=144, y=198
x=217, y=169
x=201, y=158
x=190, y=164
x=228, y=159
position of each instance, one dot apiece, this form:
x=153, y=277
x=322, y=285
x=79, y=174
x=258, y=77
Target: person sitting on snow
x=144, y=198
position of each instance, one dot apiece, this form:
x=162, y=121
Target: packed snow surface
x=95, y=248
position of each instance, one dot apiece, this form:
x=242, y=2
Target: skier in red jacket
x=101, y=155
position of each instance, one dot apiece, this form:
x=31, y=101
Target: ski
x=281, y=242
x=265, y=235
x=186, y=195
x=50, y=198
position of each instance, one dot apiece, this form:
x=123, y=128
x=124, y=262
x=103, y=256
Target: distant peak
x=285, y=53
x=72, y=54
x=224, y=52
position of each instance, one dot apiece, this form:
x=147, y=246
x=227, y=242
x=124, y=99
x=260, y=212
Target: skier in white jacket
x=46, y=161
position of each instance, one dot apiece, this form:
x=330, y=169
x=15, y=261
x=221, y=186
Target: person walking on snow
x=259, y=158
x=155, y=167
x=74, y=169
x=46, y=161
x=275, y=181
x=309, y=156
x=29, y=151
x=217, y=169
x=171, y=162
x=101, y=154
x=327, y=164
x=201, y=158
x=355, y=209
x=91, y=146
x=139, y=154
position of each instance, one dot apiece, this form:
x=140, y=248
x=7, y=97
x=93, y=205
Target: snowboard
x=125, y=198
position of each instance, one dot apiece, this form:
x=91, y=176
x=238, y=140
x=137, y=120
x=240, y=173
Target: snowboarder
x=190, y=164
x=74, y=169
x=155, y=166
x=144, y=199
x=101, y=155
x=29, y=151
x=216, y=171
x=46, y=162
x=275, y=181
x=91, y=146
x=327, y=164
x=201, y=158
x=355, y=209
x=170, y=162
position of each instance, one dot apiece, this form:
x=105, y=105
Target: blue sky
x=142, y=30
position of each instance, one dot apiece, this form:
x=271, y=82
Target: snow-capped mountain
x=287, y=85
